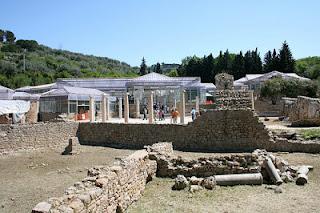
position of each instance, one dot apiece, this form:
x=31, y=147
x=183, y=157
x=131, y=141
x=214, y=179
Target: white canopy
x=14, y=106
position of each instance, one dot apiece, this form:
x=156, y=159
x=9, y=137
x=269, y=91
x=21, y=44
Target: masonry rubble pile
x=114, y=188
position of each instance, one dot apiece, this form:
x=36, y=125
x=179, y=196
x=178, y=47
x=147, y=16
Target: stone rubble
x=114, y=188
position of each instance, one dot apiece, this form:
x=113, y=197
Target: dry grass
x=158, y=196
x=29, y=178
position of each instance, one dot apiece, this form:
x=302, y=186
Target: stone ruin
x=224, y=81
x=114, y=188
x=228, y=98
x=302, y=111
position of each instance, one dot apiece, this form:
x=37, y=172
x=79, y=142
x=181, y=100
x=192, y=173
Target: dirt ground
x=29, y=178
x=158, y=196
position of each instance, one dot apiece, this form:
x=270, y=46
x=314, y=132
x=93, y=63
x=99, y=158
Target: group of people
x=161, y=110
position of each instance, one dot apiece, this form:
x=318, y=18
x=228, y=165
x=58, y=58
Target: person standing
x=145, y=112
x=193, y=114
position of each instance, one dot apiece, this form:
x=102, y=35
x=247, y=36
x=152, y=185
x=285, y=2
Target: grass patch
x=311, y=134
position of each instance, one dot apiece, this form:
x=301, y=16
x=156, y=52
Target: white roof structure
x=36, y=89
x=257, y=78
x=5, y=93
x=74, y=93
x=25, y=96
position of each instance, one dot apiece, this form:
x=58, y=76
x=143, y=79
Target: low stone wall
x=303, y=111
x=36, y=136
x=106, y=189
x=214, y=130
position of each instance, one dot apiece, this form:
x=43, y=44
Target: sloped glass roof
x=74, y=93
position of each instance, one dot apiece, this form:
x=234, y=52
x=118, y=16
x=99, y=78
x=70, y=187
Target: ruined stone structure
x=224, y=81
x=302, y=111
x=106, y=189
x=228, y=98
x=214, y=130
x=114, y=188
x=25, y=137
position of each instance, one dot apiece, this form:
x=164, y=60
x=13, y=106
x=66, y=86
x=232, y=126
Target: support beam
x=151, y=108
x=103, y=108
x=92, y=110
x=182, y=106
x=126, y=108
x=137, y=101
x=197, y=104
x=252, y=99
x=120, y=107
x=108, y=117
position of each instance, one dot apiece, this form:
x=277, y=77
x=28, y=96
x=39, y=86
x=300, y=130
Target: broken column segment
x=302, y=175
x=239, y=179
x=272, y=171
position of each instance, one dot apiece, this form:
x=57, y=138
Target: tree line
x=238, y=65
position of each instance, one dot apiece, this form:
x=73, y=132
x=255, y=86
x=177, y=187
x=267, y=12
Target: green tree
x=10, y=38
x=267, y=66
x=272, y=89
x=143, y=67
x=158, y=68
x=287, y=62
x=173, y=73
x=30, y=45
x=2, y=33
x=238, y=69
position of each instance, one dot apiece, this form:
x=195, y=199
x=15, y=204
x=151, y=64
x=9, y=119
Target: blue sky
x=166, y=30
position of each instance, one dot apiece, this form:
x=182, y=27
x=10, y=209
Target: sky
x=165, y=30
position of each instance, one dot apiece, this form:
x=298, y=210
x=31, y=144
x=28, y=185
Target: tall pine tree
x=238, y=69
x=158, y=68
x=143, y=67
x=286, y=59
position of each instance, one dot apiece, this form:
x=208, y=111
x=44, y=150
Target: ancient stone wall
x=224, y=81
x=303, y=111
x=233, y=99
x=214, y=130
x=20, y=137
x=106, y=189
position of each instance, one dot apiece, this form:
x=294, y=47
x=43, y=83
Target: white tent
x=14, y=106
x=5, y=93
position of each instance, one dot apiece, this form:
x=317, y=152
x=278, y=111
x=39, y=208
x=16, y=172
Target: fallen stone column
x=239, y=179
x=302, y=175
x=272, y=171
